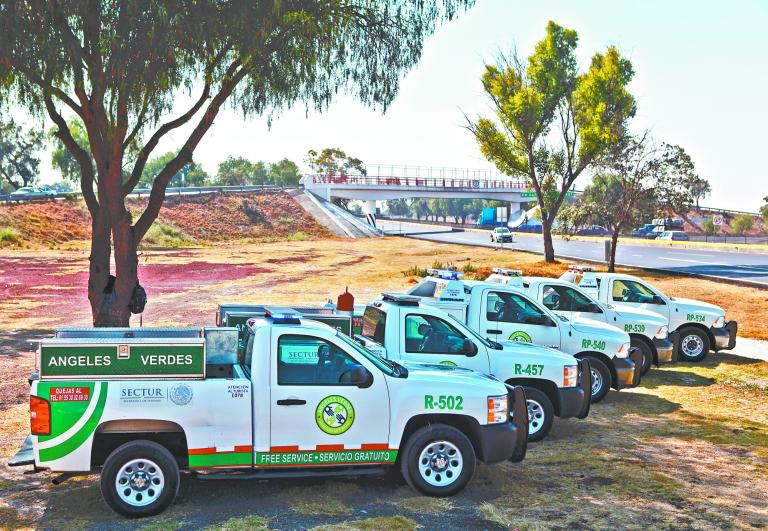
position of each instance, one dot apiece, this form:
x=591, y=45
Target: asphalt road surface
x=742, y=265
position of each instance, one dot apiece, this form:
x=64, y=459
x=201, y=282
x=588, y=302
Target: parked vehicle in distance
x=32, y=192
x=642, y=232
x=502, y=234
x=492, y=217
x=674, y=235
x=594, y=230
x=298, y=399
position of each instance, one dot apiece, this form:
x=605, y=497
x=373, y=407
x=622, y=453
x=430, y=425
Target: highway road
x=742, y=265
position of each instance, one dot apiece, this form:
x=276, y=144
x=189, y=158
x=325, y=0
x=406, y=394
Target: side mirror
x=468, y=348
x=357, y=375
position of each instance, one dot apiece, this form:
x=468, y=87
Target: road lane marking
x=683, y=260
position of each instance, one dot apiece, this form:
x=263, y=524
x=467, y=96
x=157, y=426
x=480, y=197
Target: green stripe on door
x=222, y=459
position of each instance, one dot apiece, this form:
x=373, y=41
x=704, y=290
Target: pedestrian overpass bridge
x=422, y=183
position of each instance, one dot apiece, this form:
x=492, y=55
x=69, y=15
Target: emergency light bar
x=581, y=268
x=282, y=315
x=447, y=274
x=401, y=299
x=507, y=272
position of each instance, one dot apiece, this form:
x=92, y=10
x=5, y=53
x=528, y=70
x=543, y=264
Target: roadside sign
x=717, y=219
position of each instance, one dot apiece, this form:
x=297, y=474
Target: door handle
x=493, y=331
x=291, y=402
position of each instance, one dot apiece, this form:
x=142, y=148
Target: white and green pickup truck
x=648, y=331
x=140, y=405
x=702, y=326
x=398, y=327
x=507, y=312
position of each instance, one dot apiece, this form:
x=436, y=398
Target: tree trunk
x=98, y=270
x=549, y=248
x=614, y=243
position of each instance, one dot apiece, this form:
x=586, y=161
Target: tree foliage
x=742, y=224
x=334, y=162
x=191, y=174
x=119, y=68
x=19, y=160
x=589, y=112
x=679, y=186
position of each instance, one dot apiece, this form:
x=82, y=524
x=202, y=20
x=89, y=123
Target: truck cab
x=648, y=332
x=302, y=399
x=506, y=311
x=702, y=326
x=400, y=328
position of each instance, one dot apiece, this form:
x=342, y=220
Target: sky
x=700, y=82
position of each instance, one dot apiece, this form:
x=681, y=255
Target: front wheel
x=601, y=379
x=694, y=344
x=438, y=460
x=541, y=414
x=140, y=478
x=643, y=347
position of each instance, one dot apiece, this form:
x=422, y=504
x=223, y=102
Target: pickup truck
x=508, y=312
x=648, y=331
x=702, y=326
x=398, y=327
x=142, y=404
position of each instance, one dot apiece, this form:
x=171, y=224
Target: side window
x=307, y=360
x=512, y=308
x=567, y=299
x=248, y=354
x=631, y=291
x=374, y=323
x=426, y=334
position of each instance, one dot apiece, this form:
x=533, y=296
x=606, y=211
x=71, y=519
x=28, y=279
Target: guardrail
x=189, y=190
x=419, y=182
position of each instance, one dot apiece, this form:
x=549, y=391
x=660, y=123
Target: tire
x=148, y=465
x=541, y=414
x=601, y=379
x=430, y=475
x=647, y=355
x=694, y=344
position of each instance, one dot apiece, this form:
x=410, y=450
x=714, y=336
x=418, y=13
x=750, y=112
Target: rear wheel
x=694, y=344
x=438, y=460
x=601, y=379
x=541, y=414
x=643, y=347
x=140, y=478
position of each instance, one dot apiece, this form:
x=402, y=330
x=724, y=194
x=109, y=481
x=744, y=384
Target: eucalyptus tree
x=551, y=122
x=120, y=67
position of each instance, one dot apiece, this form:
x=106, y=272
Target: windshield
x=388, y=367
x=481, y=339
x=502, y=230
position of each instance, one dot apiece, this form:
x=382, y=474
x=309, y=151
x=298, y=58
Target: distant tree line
x=440, y=209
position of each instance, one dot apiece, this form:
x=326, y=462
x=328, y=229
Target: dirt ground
x=687, y=449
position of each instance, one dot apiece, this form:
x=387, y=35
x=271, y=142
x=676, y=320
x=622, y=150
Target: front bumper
x=627, y=376
x=575, y=401
x=725, y=337
x=665, y=350
x=508, y=441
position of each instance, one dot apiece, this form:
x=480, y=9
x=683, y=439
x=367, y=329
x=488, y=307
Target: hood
x=639, y=315
x=520, y=348
x=606, y=331
x=425, y=372
x=698, y=306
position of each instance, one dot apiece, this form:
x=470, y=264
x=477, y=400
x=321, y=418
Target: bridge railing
x=419, y=182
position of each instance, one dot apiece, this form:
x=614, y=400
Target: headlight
x=570, y=375
x=623, y=351
x=662, y=332
x=498, y=409
x=720, y=321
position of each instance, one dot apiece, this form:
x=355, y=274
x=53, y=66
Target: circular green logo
x=334, y=415
x=520, y=337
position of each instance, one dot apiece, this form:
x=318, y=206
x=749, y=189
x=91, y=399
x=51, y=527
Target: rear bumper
x=575, y=401
x=725, y=337
x=626, y=374
x=665, y=350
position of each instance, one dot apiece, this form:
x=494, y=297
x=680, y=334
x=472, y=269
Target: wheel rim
x=536, y=417
x=440, y=463
x=597, y=381
x=692, y=346
x=139, y=482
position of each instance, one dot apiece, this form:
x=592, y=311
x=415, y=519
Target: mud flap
x=732, y=328
x=520, y=420
x=636, y=355
x=586, y=386
x=674, y=337
x=25, y=456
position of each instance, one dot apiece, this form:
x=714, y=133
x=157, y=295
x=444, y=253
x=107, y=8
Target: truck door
x=570, y=303
x=431, y=339
x=316, y=418
x=637, y=295
x=512, y=316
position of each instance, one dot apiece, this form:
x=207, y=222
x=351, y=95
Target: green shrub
x=415, y=271
x=10, y=236
x=167, y=236
x=300, y=236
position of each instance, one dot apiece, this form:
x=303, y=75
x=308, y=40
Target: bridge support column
x=369, y=206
